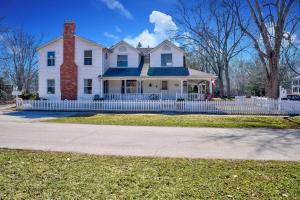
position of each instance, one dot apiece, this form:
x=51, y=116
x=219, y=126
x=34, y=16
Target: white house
x=71, y=67
x=296, y=85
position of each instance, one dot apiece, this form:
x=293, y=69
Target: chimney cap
x=69, y=21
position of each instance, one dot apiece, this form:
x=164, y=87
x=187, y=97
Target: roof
x=124, y=71
x=168, y=71
x=125, y=43
x=50, y=42
x=166, y=42
x=194, y=72
x=61, y=37
x=144, y=51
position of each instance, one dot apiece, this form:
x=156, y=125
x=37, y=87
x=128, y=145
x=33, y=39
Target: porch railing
x=190, y=96
x=134, y=96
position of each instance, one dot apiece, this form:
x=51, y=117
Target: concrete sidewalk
x=269, y=144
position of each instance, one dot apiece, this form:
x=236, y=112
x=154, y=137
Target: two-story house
x=72, y=67
x=296, y=86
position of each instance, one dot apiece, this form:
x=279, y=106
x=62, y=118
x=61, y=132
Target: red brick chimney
x=68, y=70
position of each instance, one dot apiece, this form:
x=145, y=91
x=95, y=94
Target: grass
x=184, y=120
x=49, y=175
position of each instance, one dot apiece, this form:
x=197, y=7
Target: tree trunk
x=221, y=86
x=272, y=90
x=227, y=78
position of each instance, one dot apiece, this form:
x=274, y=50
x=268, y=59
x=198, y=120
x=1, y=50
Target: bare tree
x=19, y=51
x=214, y=33
x=270, y=23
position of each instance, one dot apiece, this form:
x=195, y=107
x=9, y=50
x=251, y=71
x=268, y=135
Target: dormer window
x=88, y=57
x=166, y=59
x=122, y=61
x=51, y=58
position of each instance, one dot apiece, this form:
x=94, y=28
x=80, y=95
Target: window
x=166, y=59
x=88, y=86
x=106, y=56
x=88, y=57
x=51, y=86
x=122, y=61
x=295, y=82
x=164, y=85
x=131, y=86
x=51, y=58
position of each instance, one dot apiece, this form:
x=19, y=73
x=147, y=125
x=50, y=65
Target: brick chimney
x=68, y=70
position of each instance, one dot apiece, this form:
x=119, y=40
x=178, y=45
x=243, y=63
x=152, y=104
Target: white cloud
x=118, y=29
x=164, y=28
x=111, y=36
x=116, y=5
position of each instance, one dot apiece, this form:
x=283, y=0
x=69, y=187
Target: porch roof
x=168, y=71
x=123, y=72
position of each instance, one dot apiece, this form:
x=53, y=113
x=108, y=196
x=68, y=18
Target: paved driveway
x=27, y=133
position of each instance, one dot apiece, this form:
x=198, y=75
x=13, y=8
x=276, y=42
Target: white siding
x=50, y=72
x=173, y=87
x=88, y=71
x=177, y=56
x=133, y=56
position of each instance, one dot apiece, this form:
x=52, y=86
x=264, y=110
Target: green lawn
x=49, y=175
x=184, y=120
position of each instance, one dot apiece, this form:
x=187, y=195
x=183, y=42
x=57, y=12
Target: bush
x=30, y=96
x=98, y=98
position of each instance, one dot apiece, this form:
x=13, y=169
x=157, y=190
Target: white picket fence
x=254, y=107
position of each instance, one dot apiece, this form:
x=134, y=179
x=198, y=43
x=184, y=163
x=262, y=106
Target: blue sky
x=103, y=21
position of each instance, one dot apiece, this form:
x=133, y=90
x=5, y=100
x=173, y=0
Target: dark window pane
x=51, y=86
x=88, y=83
x=122, y=61
x=166, y=59
x=88, y=54
x=51, y=58
x=88, y=61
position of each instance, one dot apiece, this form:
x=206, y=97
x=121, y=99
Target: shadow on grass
x=279, y=140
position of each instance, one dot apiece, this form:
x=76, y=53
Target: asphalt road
x=22, y=130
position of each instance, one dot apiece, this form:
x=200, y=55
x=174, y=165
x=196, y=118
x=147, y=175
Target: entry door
x=165, y=89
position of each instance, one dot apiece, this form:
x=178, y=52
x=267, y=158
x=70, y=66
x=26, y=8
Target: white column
x=101, y=88
x=210, y=87
x=181, y=86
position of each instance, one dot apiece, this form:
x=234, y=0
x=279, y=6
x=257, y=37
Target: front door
x=164, y=89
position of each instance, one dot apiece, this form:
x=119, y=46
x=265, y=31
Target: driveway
x=22, y=130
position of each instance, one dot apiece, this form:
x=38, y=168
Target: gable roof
x=50, y=42
x=61, y=37
x=168, y=42
x=124, y=43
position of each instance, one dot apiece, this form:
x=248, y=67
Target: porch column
x=181, y=86
x=125, y=85
x=210, y=87
x=101, y=87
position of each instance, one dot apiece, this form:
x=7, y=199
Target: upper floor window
x=106, y=56
x=88, y=86
x=51, y=58
x=166, y=59
x=88, y=57
x=50, y=86
x=122, y=61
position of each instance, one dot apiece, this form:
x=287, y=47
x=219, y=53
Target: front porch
x=156, y=89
